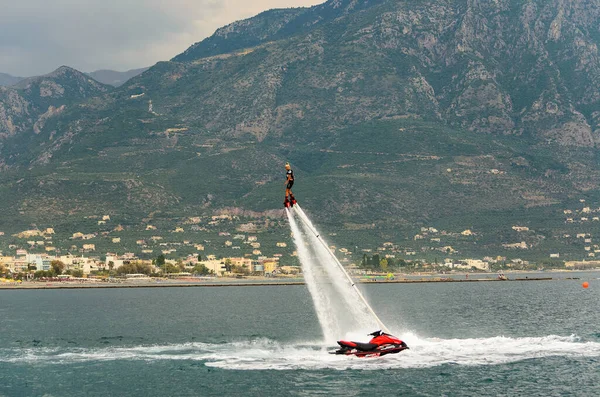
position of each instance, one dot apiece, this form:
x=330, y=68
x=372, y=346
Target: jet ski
x=380, y=345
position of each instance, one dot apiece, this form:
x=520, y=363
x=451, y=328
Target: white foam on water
x=265, y=354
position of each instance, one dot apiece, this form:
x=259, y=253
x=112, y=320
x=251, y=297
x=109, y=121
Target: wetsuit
x=290, y=175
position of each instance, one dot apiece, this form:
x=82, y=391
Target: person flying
x=289, y=182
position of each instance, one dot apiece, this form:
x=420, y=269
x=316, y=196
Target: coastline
x=262, y=282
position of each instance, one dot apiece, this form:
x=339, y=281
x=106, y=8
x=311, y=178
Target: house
x=557, y=255
x=150, y=227
x=199, y=247
x=270, y=266
x=29, y=233
x=116, y=240
x=467, y=232
x=290, y=269
x=49, y=231
x=256, y=252
x=255, y=245
x=282, y=245
x=252, y=238
x=520, y=228
x=89, y=247
x=77, y=235
x=521, y=245
x=178, y=230
x=228, y=243
x=215, y=266
x=477, y=263
x=106, y=217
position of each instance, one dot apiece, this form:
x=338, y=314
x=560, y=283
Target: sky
x=38, y=36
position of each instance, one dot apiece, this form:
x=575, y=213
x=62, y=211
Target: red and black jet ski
x=380, y=345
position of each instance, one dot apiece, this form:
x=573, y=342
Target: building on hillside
x=247, y=263
x=580, y=265
x=270, y=266
x=29, y=233
x=216, y=266
x=477, y=263
x=290, y=269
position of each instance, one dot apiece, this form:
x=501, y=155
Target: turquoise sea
x=516, y=338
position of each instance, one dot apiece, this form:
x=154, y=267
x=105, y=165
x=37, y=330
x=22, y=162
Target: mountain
x=27, y=105
x=115, y=78
x=7, y=79
x=396, y=115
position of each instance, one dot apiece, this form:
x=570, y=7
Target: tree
x=201, y=270
x=228, y=266
x=160, y=260
x=77, y=273
x=383, y=264
x=170, y=268
x=111, y=265
x=375, y=261
x=135, y=268
x=3, y=269
x=199, y=258
x=57, y=267
x=365, y=261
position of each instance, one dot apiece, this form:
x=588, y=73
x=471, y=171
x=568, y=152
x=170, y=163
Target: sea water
x=533, y=338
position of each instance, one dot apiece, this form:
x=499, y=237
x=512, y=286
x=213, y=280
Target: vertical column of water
x=358, y=312
x=310, y=270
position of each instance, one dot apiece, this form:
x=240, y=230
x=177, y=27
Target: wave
x=265, y=354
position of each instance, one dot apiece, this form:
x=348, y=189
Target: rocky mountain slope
x=8, y=80
x=114, y=78
x=394, y=113
x=27, y=105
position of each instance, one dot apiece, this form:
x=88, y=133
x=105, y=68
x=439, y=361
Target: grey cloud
x=37, y=36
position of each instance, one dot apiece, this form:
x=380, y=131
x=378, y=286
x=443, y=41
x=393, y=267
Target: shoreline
x=34, y=285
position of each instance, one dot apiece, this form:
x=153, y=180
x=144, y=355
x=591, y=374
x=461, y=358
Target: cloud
x=37, y=36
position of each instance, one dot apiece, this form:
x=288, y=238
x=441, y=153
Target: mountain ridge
x=395, y=114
